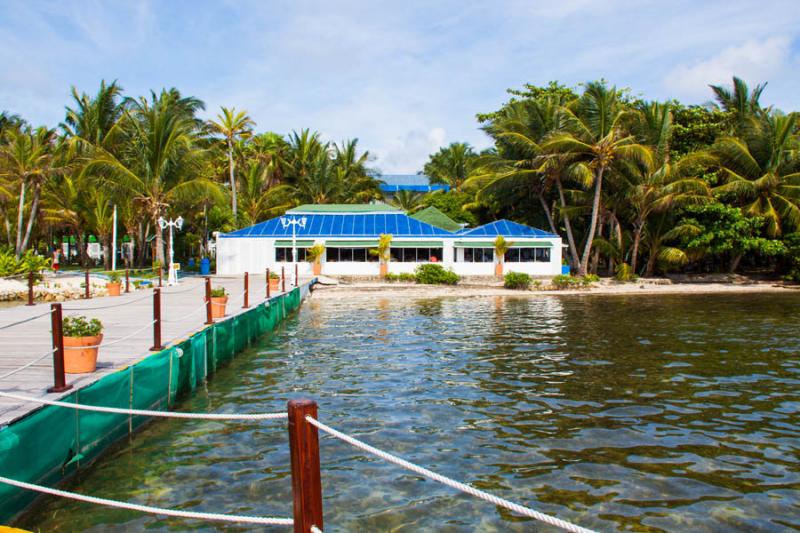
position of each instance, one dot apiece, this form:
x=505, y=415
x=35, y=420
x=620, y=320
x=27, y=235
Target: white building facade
x=349, y=232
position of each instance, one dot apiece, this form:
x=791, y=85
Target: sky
x=404, y=78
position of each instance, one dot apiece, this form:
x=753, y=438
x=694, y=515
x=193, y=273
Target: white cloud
x=407, y=154
x=755, y=61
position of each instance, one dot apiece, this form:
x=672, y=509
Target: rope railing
x=144, y=412
x=110, y=306
x=115, y=341
x=214, y=517
x=190, y=289
x=27, y=365
x=186, y=315
x=472, y=491
x=25, y=320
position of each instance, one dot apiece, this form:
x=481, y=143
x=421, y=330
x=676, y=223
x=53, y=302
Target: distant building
x=408, y=182
x=349, y=232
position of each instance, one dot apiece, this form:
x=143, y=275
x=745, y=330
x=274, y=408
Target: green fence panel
x=97, y=430
x=200, y=358
x=186, y=371
x=224, y=341
x=151, y=385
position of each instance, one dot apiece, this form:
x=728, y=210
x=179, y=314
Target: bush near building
x=433, y=274
x=517, y=281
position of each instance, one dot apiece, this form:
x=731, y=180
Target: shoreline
x=412, y=290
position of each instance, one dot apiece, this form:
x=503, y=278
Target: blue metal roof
x=404, y=179
x=506, y=228
x=344, y=225
x=415, y=188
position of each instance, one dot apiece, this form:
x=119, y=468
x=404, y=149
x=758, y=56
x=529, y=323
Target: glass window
x=528, y=255
x=542, y=255
x=358, y=255
x=478, y=255
x=284, y=254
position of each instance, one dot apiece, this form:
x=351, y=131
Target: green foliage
x=695, y=128
x=273, y=275
x=218, y=292
x=565, y=281
x=403, y=276
x=501, y=246
x=383, y=251
x=517, y=281
x=452, y=204
x=391, y=277
x=29, y=262
x=623, y=272
x=80, y=326
x=314, y=254
x=792, y=243
x=114, y=277
x=435, y=274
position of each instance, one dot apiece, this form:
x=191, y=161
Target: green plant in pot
x=114, y=284
x=219, y=302
x=383, y=252
x=314, y=256
x=82, y=338
x=501, y=246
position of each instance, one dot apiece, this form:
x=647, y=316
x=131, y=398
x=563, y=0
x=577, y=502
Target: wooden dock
x=183, y=313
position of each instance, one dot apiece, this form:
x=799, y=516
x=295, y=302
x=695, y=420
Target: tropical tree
x=451, y=165
x=232, y=125
x=742, y=103
x=408, y=201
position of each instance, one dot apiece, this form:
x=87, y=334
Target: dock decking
x=182, y=312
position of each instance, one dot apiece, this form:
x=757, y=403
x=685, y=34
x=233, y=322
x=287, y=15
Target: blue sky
x=403, y=77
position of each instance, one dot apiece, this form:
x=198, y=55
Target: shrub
x=390, y=277
x=406, y=276
x=623, y=272
x=564, y=281
x=517, y=280
x=80, y=326
x=435, y=274
x=219, y=292
x=314, y=254
x=590, y=278
x=114, y=277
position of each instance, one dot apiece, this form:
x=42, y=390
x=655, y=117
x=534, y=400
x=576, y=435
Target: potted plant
x=114, y=285
x=501, y=246
x=219, y=300
x=82, y=338
x=383, y=251
x=274, y=281
x=314, y=256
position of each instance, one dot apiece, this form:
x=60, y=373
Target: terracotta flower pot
x=218, y=304
x=80, y=354
x=384, y=269
x=317, y=266
x=114, y=288
x=498, y=270
x=273, y=284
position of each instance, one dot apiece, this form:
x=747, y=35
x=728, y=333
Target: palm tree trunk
x=31, y=217
x=233, y=180
x=548, y=214
x=573, y=250
x=651, y=263
x=637, y=237
x=735, y=262
x=587, y=250
x=159, y=245
x=20, y=218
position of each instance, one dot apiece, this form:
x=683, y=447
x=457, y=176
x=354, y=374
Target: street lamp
x=294, y=222
x=172, y=278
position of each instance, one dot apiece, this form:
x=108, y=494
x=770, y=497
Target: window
x=416, y=255
x=284, y=254
x=358, y=255
x=478, y=255
x=528, y=255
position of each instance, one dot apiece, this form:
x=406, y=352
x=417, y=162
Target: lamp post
x=294, y=222
x=172, y=279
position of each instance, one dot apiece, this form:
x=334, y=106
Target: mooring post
x=296, y=275
x=30, y=287
x=246, y=291
x=59, y=378
x=283, y=279
x=306, y=480
x=209, y=320
x=88, y=291
x=267, y=284
x=156, y=321
x=160, y=276
x=127, y=280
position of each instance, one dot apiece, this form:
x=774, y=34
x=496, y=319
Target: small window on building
x=357, y=255
x=542, y=255
x=528, y=255
x=478, y=255
x=416, y=255
x=284, y=254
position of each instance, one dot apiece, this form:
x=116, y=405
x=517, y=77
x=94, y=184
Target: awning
x=490, y=244
x=298, y=243
x=416, y=244
x=351, y=244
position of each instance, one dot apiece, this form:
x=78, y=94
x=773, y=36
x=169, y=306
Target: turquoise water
x=677, y=413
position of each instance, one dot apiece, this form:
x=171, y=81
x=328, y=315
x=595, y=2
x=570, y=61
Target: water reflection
x=675, y=414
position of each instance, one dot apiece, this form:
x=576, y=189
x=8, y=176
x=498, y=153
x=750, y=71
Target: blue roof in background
x=506, y=228
x=415, y=188
x=345, y=225
x=405, y=179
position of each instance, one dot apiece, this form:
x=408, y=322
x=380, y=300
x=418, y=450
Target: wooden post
x=157, y=324
x=30, y=288
x=267, y=284
x=306, y=480
x=59, y=378
x=88, y=293
x=127, y=280
x=283, y=279
x=296, y=275
x=160, y=276
x=246, y=290
x=209, y=320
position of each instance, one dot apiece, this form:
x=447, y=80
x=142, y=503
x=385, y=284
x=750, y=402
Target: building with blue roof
x=393, y=183
x=349, y=232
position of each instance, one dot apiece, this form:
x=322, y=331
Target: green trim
x=299, y=243
x=351, y=244
x=434, y=217
x=417, y=244
x=343, y=208
x=490, y=244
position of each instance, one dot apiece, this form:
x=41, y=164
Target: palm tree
x=408, y=201
x=451, y=165
x=254, y=183
x=28, y=156
x=594, y=138
x=232, y=125
x=762, y=171
x=272, y=150
x=741, y=102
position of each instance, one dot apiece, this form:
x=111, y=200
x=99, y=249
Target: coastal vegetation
x=635, y=187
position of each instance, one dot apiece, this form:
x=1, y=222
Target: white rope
x=110, y=306
x=315, y=529
x=141, y=412
x=6, y=326
x=115, y=341
x=186, y=315
x=216, y=517
x=520, y=509
x=190, y=289
x=20, y=369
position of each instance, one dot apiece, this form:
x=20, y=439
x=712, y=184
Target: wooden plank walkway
x=182, y=311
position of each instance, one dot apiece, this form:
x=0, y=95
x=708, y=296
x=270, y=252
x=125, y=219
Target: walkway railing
x=303, y=426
